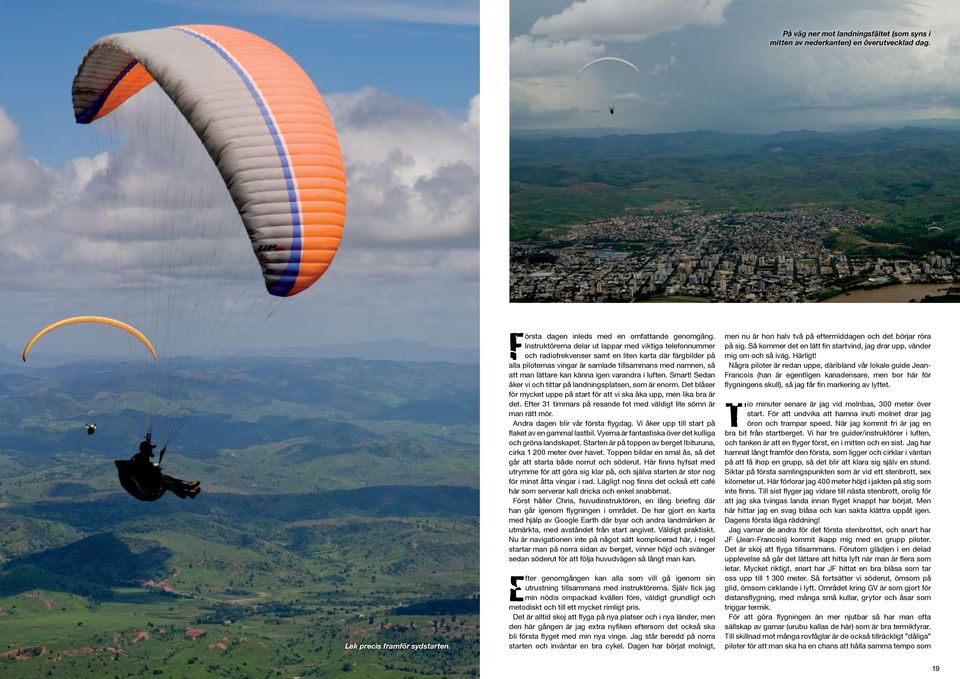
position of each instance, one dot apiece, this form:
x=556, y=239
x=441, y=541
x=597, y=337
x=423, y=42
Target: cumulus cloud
x=22, y=179
x=150, y=211
x=542, y=81
x=539, y=57
x=628, y=20
x=867, y=83
x=543, y=94
x=413, y=173
x=413, y=176
x=726, y=76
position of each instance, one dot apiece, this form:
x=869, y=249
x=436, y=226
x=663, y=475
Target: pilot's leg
x=176, y=486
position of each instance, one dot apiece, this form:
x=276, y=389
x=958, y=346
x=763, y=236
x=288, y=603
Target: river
x=904, y=292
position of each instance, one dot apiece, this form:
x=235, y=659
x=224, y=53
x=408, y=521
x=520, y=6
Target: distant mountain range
x=709, y=141
x=938, y=123
x=376, y=350
x=8, y=355
x=309, y=411
x=379, y=350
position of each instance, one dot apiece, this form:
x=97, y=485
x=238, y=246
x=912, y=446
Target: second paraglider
x=602, y=60
x=605, y=59
x=102, y=320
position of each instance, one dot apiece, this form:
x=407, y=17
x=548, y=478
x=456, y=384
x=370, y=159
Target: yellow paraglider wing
x=103, y=320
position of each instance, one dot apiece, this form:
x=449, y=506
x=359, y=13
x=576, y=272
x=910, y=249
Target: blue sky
x=401, y=79
x=436, y=63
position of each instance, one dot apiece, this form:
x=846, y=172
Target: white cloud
x=413, y=172
x=628, y=20
x=125, y=231
x=871, y=83
x=733, y=80
x=540, y=57
x=9, y=134
x=413, y=177
x=543, y=92
x=660, y=68
x=22, y=180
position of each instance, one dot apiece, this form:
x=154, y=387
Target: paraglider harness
x=91, y=429
x=139, y=476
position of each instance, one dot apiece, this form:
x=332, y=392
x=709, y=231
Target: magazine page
x=239, y=331
x=718, y=341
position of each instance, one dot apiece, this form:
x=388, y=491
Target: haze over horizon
x=940, y=124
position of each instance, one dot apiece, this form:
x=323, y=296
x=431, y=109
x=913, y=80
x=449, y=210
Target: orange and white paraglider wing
x=260, y=118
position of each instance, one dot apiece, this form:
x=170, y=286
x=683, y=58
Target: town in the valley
x=784, y=256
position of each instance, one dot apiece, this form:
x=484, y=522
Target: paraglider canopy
x=602, y=59
x=605, y=59
x=102, y=320
x=260, y=118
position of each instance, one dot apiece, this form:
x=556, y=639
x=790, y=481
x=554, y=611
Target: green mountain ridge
x=340, y=502
x=115, y=509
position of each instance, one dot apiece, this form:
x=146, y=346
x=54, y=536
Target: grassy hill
x=340, y=504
